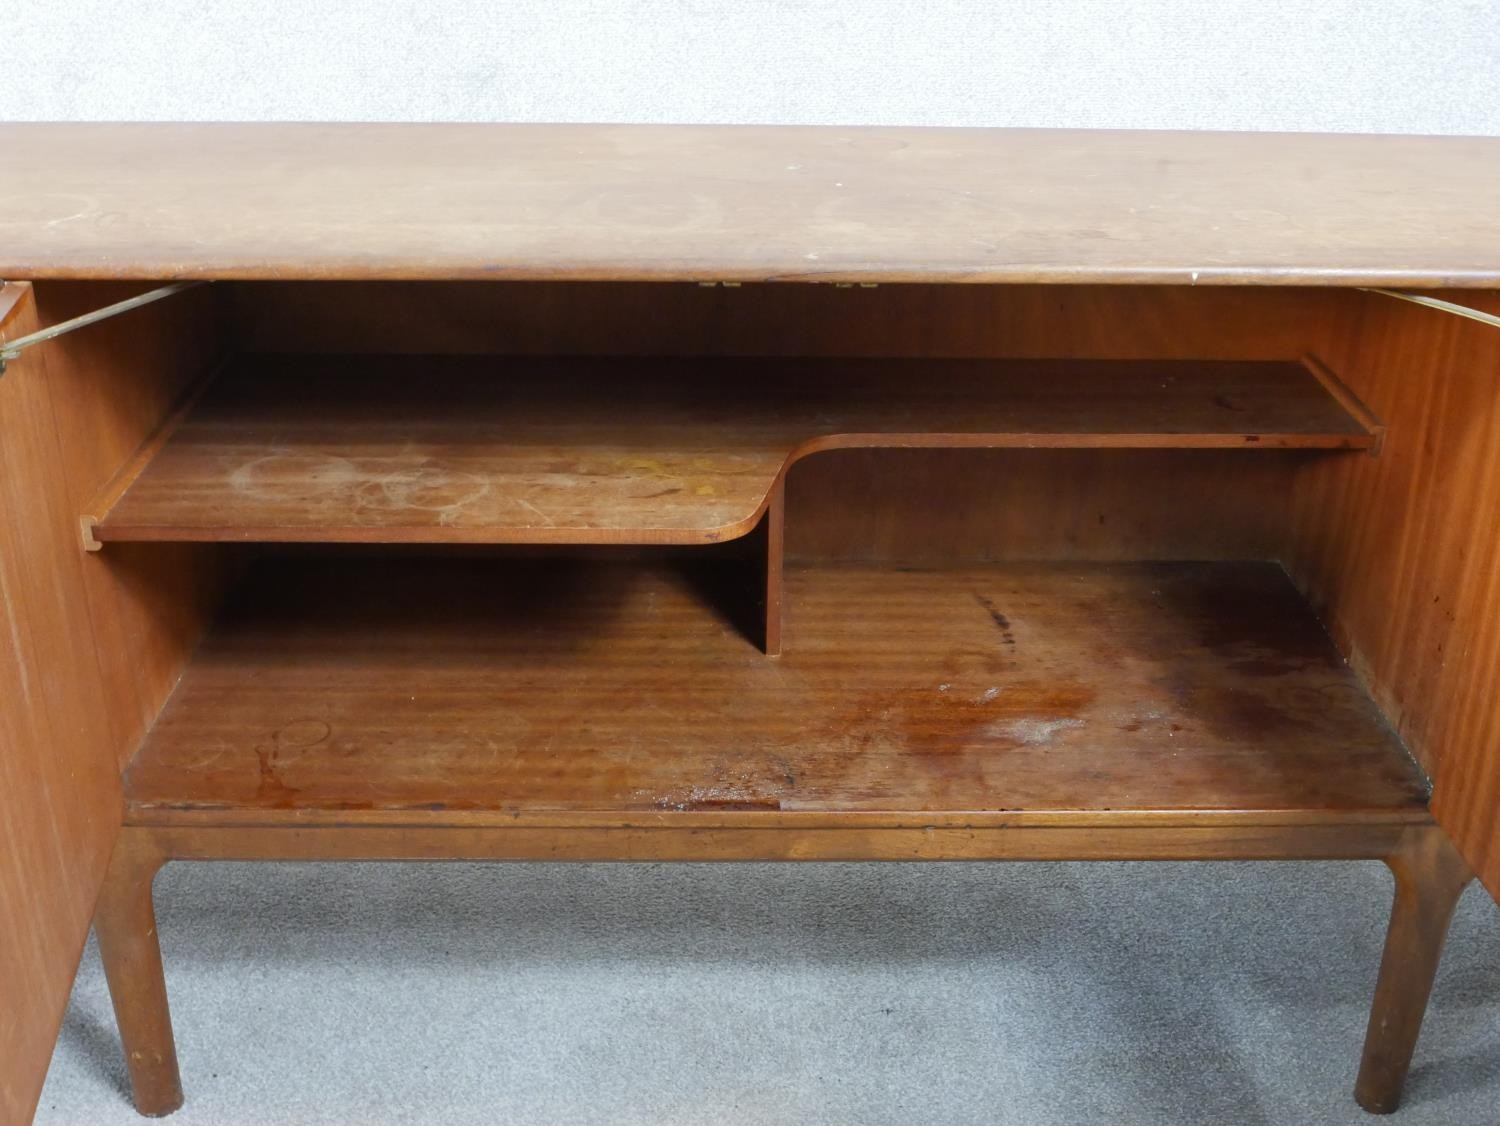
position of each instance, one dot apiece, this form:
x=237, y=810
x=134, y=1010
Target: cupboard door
x=59, y=789
x=1402, y=552
x=88, y=648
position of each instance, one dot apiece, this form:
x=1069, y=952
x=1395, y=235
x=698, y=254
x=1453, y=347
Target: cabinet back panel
x=933, y=505
x=788, y=319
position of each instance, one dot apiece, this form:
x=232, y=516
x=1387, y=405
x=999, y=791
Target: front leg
x=1430, y=876
x=125, y=923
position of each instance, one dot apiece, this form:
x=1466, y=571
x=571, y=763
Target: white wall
x=1376, y=65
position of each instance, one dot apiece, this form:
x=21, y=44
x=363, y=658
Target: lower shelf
x=429, y=691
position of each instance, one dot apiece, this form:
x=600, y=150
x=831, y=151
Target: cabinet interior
x=960, y=554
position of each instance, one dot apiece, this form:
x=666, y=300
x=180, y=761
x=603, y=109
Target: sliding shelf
x=481, y=692
x=661, y=451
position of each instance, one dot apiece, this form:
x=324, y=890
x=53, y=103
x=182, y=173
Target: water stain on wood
x=584, y=685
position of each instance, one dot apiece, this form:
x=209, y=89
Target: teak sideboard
x=730, y=493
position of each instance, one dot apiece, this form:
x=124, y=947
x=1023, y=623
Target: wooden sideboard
x=689, y=493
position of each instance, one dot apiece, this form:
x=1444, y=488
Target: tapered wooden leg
x=1430, y=875
x=125, y=923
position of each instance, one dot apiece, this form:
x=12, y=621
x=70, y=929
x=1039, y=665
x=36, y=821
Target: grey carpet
x=942, y=993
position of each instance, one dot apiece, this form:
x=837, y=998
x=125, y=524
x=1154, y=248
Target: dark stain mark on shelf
x=1002, y=623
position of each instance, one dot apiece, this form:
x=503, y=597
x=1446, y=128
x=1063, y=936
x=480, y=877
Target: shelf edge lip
x=157, y=815
x=123, y=532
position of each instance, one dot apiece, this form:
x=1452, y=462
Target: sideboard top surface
x=745, y=203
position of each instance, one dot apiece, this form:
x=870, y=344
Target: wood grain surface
x=877, y=504
x=89, y=648
x=1401, y=553
x=361, y=703
x=304, y=201
x=430, y=688
x=658, y=450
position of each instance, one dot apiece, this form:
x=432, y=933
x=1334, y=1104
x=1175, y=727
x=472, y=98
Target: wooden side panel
x=85, y=658
x=1401, y=553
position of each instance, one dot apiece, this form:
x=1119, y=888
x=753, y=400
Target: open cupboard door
x=1401, y=553
x=85, y=662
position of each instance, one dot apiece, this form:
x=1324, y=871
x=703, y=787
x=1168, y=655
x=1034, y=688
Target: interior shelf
x=665, y=451
x=443, y=689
